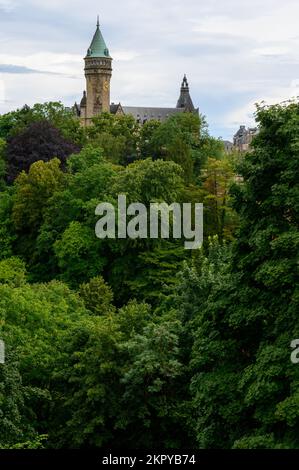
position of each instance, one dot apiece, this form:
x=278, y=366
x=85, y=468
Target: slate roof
x=186, y=102
x=143, y=114
x=114, y=108
x=228, y=145
x=84, y=100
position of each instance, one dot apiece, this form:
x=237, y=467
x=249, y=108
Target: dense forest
x=141, y=343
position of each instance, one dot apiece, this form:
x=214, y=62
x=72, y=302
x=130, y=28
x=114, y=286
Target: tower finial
x=98, y=21
x=184, y=83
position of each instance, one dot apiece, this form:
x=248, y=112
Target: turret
x=185, y=100
x=98, y=72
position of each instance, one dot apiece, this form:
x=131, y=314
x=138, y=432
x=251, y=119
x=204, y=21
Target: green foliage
x=34, y=320
x=148, y=181
x=220, y=217
x=15, y=426
x=243, y=381
x=121, y=382
x=156, y=272
x=91, y=401
x=63, y=119
x=151, y=394
x=37, y=442
x=177, y=139
x=117, y=135
x=12, y=271
x=7, y=232
x=15, y=121
x=257, y=442
x=97, y=296
x=78, y=254
x=147, y=132
x=88, y=157
x=141, y=343
x=33, y=191
x=2, y=163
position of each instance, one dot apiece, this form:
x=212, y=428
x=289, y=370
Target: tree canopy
x=141, y=343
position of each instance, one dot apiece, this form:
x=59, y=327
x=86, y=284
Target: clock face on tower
x=106, y=86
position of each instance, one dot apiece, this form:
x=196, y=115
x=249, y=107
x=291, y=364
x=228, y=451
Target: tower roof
x=185, y=100
x=84, y=100
x=98, y=46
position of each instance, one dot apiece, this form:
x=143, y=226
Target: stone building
x=243, y=138
x=228, y=146
x=96, y=98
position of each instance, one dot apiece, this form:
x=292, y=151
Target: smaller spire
x=83, y=101
x=185, y=84
x=185, y=100
x=98, y=21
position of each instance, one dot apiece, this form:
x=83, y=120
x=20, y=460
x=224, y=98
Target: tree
x=34, y=323
x=147, y=181
x=33, y=190
x=97, y=296
x=208, y=147
x=220, y=218
x=79, y=254
x=90, y=378
x=122, y=383
x=176, y=139
x=15, y=425
x=61, y=118
x=117, y=134
x=153, y=395
x=39, y=141
x=15, y=122
x=244, y=385
x=114, y=148
x=7, y=231
x=154, y=274
x=2, y=163
x=147, y=132
x=12, y=272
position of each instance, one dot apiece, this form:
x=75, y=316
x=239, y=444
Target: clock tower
x=98, y=72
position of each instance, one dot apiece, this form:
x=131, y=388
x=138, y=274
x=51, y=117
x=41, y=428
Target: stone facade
x=244, y=137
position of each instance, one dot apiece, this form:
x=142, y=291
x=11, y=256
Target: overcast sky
x=235, y=53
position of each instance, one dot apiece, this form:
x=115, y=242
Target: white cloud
x=245, y=114
x=125, y=55
x=270, y=51
x=2, y=90
x=46, y=61
x=7, y=5
x=277, y=23
x=234, y=53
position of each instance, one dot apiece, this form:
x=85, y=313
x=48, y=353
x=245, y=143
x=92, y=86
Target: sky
x=234, y=53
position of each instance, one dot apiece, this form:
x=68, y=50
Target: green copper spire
x=98, y=46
